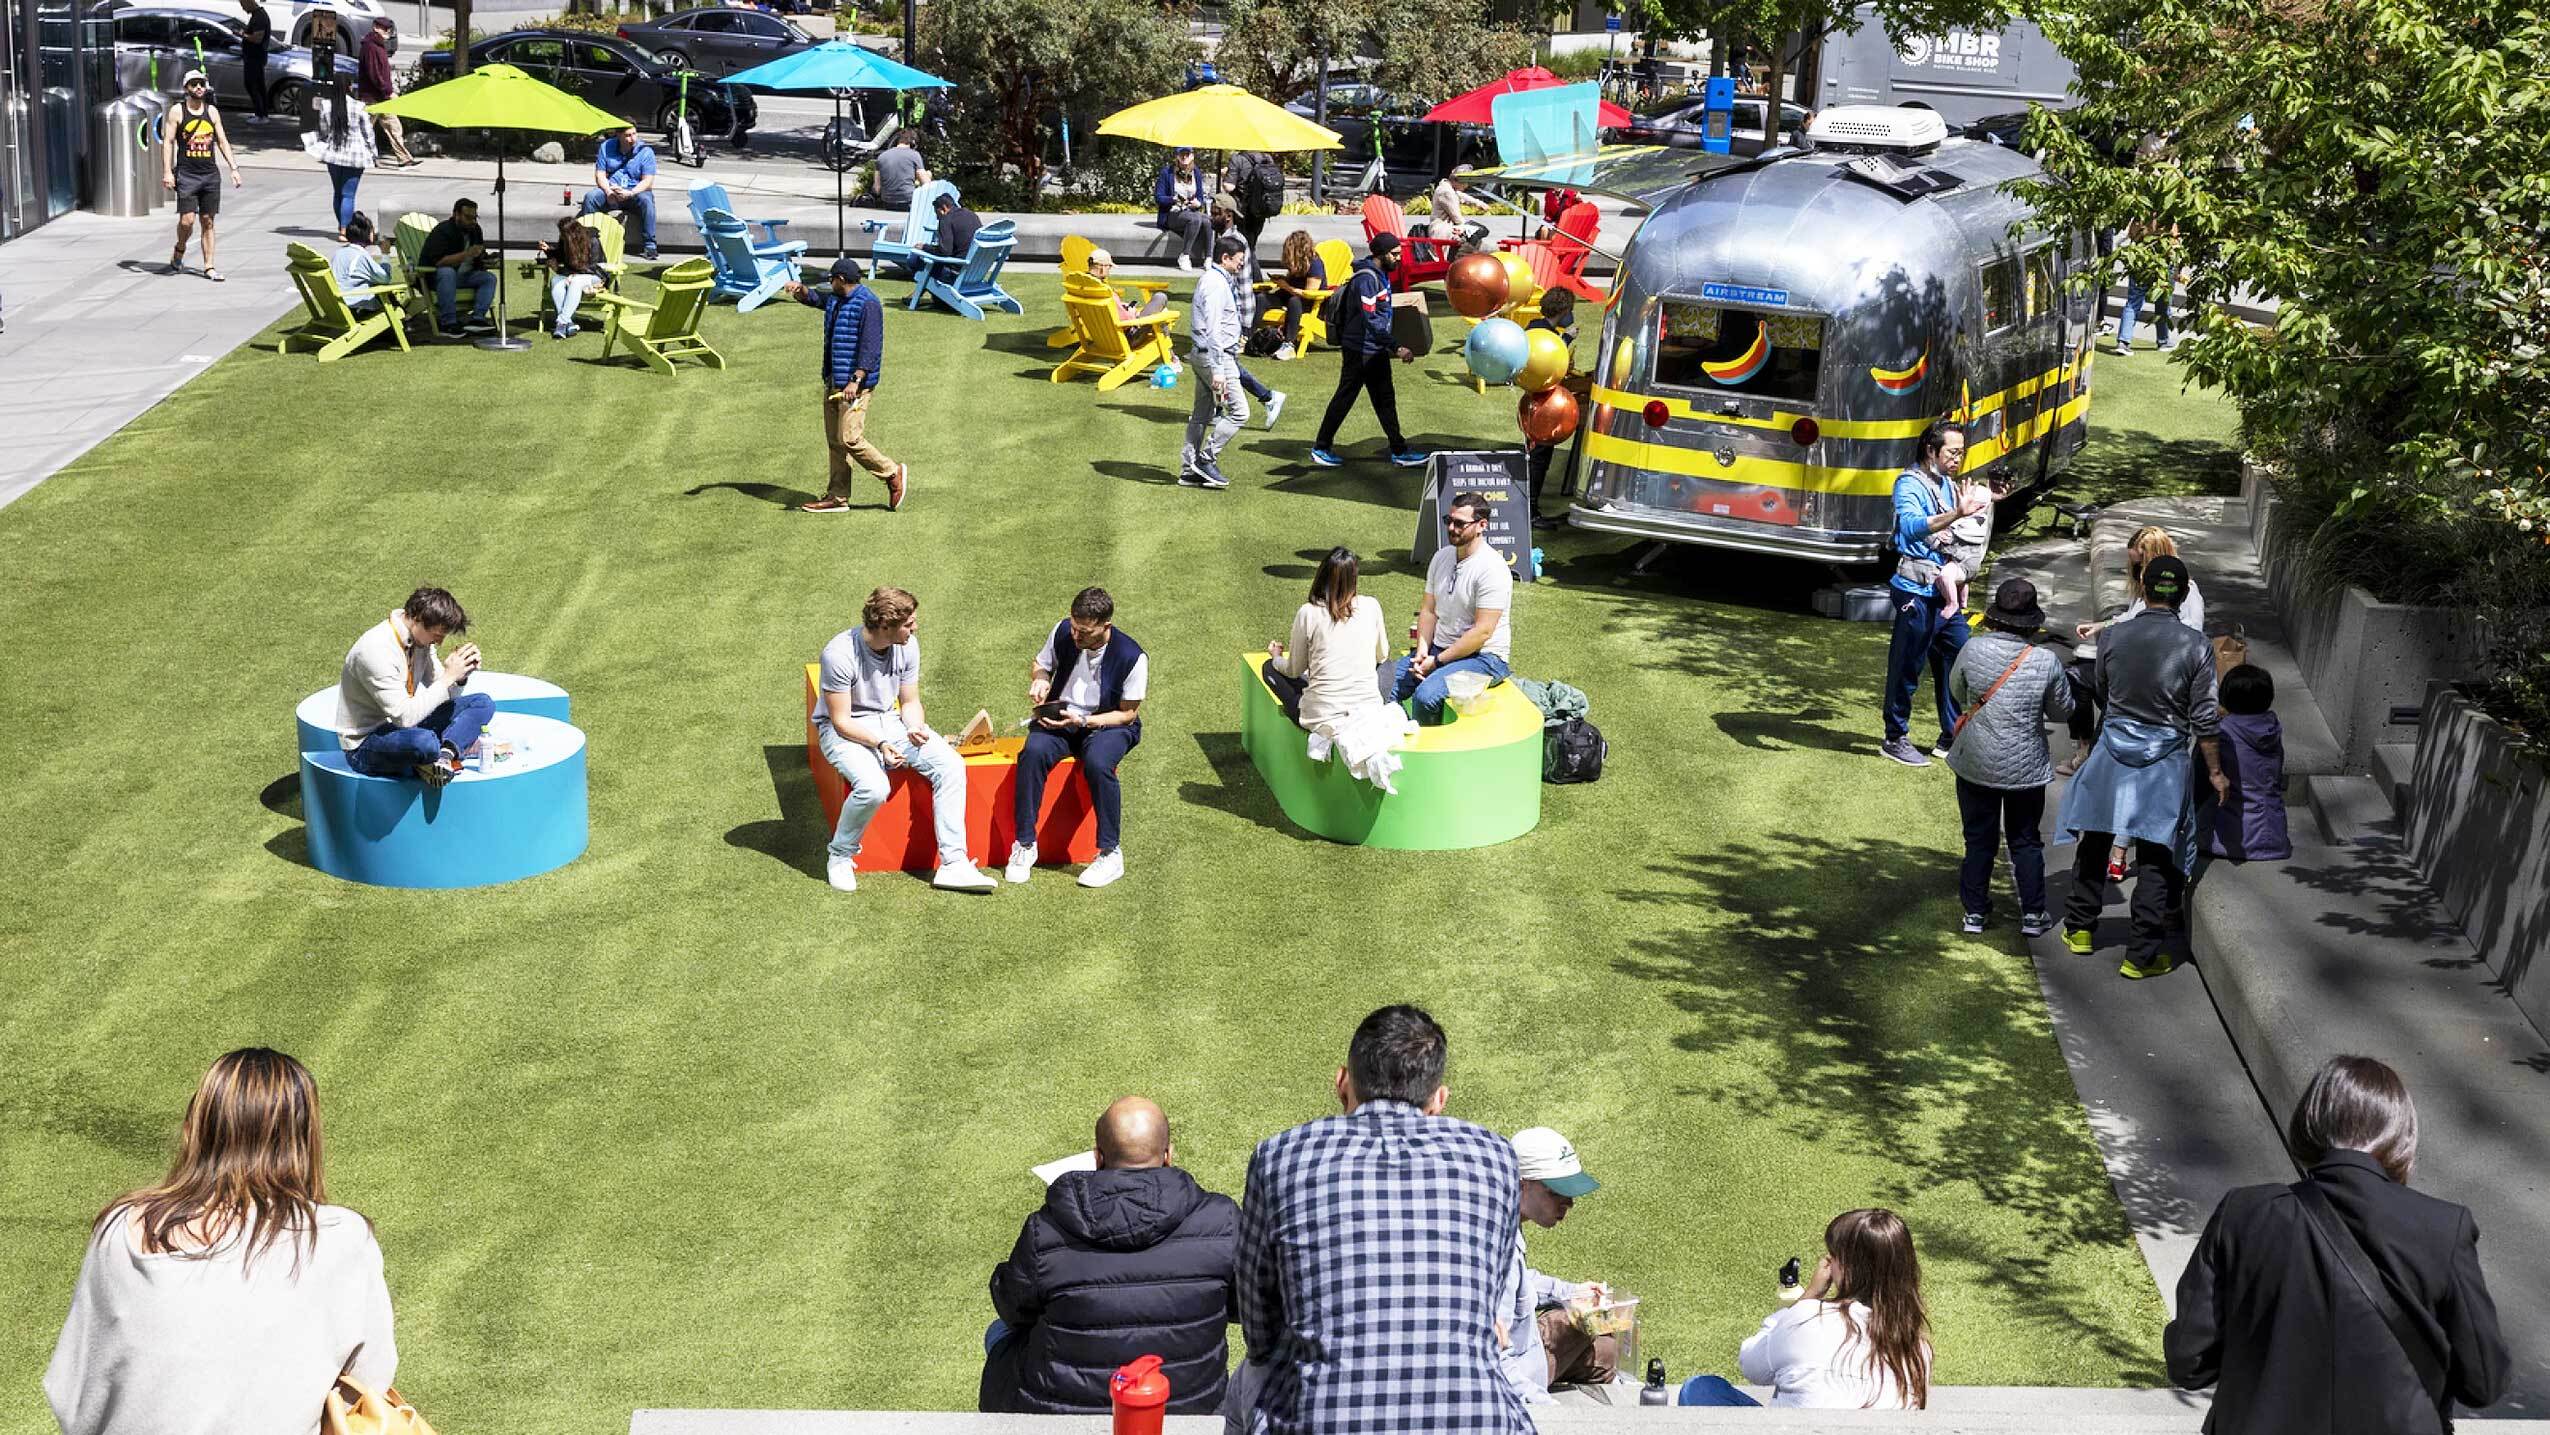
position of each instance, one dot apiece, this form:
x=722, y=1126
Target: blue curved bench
x=514, y=693
x=523, y=818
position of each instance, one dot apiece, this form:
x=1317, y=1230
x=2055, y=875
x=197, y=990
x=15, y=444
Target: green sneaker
x=2080, y=941
x=2134, y=972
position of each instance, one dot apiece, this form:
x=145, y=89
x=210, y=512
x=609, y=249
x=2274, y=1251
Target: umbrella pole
x=502, y=341
x=840, y=214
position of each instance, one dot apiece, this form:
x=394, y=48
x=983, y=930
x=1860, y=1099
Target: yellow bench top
x=1503, y=716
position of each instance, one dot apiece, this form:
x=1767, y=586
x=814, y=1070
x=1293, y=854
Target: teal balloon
x=1497, y=350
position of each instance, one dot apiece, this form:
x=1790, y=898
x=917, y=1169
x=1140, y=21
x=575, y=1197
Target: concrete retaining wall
x=2362, y=656
x=2478, y=821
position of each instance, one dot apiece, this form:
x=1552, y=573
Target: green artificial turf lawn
x=679, y=1126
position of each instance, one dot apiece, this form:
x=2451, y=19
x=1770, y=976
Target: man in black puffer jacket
x=1131, y=1259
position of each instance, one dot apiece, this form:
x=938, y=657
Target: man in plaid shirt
x=1371, y=1248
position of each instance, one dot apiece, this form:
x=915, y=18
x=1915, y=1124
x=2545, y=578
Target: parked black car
x=719, y=39
x=1680, y=125
x=621, y=76
x=1413, y=151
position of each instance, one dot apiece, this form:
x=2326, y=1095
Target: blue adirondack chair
x=705, y=197
x=919, y=227
x=746, y=272
x=971, y=284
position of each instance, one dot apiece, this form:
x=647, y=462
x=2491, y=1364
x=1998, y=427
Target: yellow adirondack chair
x=1075, y=260
x=412, y=231
x=333, y=328
x=1114, y=349
x=614, y=243
x=1336, y=261
x=671, y=323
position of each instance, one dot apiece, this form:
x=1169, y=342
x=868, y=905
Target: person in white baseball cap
x=1542, y=1346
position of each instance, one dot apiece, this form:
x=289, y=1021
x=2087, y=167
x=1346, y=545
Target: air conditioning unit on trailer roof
x=1877, y=127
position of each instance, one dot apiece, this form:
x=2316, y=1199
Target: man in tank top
x=193, y=140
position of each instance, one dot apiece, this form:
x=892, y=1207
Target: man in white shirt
x=868, y=721
x=399, y=708
x=1087, y=684
x=1461, y=626
x=1219, y=400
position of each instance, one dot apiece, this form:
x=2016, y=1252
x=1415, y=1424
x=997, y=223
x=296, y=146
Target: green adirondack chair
x=334, y=328
x=670, y=325
x=614, y=242
x=413, y=228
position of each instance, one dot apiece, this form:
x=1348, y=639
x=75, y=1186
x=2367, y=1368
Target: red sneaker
x=825, y=505
x=894, y=487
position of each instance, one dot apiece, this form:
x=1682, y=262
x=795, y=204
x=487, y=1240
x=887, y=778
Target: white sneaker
x=963, y=876
x=1022, y=863
x=1274, y=408
x=841, y=874
x=1108, y=867
x=1186, y=264
x=1284, y=355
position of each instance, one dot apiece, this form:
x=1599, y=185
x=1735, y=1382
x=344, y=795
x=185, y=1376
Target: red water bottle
x=1141, y=1396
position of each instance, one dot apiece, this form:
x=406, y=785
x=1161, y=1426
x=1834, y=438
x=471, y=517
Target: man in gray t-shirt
x=899, y=171
x=1463, y=626
x=867, y=720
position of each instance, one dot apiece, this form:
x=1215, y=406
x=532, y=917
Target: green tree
x=1019, y=65
x=2378, y=170
x=1419, y=49
x=1799, y=26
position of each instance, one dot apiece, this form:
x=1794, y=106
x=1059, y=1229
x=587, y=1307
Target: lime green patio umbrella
x=500, y=97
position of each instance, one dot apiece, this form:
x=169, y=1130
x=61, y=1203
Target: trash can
x=146, y=138
x=122, y=173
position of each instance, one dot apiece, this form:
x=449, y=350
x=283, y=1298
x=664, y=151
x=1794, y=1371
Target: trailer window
x=2000, y=283
x=2045, y=298
x=1716, y=350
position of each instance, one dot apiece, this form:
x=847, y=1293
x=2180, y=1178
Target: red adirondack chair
x=1567, y=251
x=1423, y=259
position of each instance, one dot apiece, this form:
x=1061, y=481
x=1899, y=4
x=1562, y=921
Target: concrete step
x=2348, y=808
x=2343, y=948
x=2394, y=769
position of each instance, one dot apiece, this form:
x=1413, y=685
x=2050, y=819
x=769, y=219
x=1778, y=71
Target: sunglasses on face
x=1454, y=520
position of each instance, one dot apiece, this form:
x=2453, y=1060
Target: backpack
x=1262, y=195
x=1262, y=342
x=1573, y=751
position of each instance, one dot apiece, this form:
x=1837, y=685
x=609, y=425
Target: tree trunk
x=460, y=38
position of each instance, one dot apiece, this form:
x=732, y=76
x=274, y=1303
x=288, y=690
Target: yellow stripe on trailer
x=1833, y=428
x=1765, y=472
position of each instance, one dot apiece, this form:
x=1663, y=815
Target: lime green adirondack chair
x=614, y=242
x=333, y=328
x=671, y=323
x=413, y=228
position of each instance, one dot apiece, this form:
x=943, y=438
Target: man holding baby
x=1928, y=589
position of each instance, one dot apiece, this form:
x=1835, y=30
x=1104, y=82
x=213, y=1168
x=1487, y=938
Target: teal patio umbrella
x=838, y=65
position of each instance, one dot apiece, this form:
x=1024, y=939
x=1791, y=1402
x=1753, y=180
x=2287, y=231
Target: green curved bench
x=1473, y=782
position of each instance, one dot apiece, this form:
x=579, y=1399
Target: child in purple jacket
x=2249, y=825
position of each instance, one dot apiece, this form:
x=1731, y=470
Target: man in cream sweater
x=399, y=709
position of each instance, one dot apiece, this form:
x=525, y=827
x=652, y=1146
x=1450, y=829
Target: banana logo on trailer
x=1745, y=365
x=1902, y=381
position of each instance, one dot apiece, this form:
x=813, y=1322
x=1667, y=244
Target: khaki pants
x=845, y=432
x=1575, y=1358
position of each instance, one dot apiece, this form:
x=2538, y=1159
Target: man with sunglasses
x=1095, y=676
x=192, y=140
x=1461, y=625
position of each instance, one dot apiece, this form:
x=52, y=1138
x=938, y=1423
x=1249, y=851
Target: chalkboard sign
x=1504, y=480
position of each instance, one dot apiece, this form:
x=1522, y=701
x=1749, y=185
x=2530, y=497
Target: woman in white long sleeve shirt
x=227, y=1299
x=1338, y=643
x=1859, y=1340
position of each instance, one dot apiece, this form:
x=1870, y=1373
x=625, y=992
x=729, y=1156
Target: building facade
x=55, y=64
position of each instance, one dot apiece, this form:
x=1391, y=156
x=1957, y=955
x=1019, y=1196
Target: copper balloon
x=1548, y=416
x=1477, y=285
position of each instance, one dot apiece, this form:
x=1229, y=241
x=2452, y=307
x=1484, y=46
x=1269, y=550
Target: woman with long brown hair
x=1858, y=1339
x=1298, y=281
x=1338, y=643
x=227, y=1298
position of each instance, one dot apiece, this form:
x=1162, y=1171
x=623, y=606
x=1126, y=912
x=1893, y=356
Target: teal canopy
x=839, y=65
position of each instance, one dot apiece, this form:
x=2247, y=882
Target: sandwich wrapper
x=1076, y=1161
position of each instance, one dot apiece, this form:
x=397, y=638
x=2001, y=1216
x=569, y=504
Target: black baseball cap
x=1384, y=244
x=2165, y=578
x=848, y=268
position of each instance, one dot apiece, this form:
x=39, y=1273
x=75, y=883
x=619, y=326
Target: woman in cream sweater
x=1337, y=646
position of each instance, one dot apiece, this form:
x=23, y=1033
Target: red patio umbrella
x=1473, y=108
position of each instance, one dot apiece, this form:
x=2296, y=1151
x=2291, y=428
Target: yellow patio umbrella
x=1223, y=117
x=500, y=97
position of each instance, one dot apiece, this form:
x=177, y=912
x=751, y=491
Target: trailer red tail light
x=1805, y=431
x=1656, y=413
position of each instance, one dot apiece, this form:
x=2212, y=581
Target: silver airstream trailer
x=1784, y=327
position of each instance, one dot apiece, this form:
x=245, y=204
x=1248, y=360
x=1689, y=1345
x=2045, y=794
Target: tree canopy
x=1421, y=50
x=1022, y=64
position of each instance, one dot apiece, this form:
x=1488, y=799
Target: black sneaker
x=433, y=774
x=1975, y=922
x=2035, y=924
x=648, y=254
x=1900, y=749
x=1544, y=522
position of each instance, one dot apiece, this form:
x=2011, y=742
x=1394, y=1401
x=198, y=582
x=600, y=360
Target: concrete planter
x=2479, y=826
x=2364, y=658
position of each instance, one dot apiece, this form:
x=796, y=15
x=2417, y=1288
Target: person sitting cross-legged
x=399, y=708
x=1095, y=675
x=1131, y=1259
x=868, y=721
x=1462, y=623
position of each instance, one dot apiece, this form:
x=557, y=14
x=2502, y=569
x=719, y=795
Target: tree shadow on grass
x=797, y=838
x=1236, y=788
x=767, y=492
x=1872, y=1030
x=2120, y=464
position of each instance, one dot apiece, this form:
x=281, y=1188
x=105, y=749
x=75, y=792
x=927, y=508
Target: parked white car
x=292, y=18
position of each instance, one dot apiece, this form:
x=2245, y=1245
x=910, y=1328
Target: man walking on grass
x=1220, y=405
x=1365, y=347
x=853, y=361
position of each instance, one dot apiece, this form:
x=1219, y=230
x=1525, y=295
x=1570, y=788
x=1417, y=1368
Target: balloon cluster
x=1489, y=288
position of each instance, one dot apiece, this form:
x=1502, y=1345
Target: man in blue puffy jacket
x=1365, y=348
x=853, y=362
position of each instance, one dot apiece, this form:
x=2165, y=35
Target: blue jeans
x=2136, y=296
x=1924, y=633
x=1712, y=1390
x=341, y=181
x=1432, y=692
x=641, y=205
x=1099, y=750
x=448, y=282
x=996, y=1335
x=398, y=751
x=933, y=762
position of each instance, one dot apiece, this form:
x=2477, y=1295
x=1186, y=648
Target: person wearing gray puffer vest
x=2008, y=689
